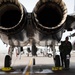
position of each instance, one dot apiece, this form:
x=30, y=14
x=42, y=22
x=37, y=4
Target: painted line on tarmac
x=27, y=68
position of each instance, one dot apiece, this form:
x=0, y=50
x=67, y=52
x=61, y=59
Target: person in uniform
x=65, y=49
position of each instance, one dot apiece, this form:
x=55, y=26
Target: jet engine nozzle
x=12, y=16
x=49, y=15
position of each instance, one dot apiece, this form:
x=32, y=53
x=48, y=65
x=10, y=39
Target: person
x=65, y=49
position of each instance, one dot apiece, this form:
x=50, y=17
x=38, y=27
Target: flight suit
x=65, y=49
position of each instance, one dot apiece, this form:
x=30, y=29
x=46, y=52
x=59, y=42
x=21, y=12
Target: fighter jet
x=47, y=21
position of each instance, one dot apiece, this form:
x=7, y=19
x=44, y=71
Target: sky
x=30, y=4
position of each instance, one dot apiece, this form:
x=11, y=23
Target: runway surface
x=43, y=66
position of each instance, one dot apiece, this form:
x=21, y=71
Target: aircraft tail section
x=19, y=27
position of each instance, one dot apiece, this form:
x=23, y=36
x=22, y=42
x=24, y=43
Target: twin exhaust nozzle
x=48, y=15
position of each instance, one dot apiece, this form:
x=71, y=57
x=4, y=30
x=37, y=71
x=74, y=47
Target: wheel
x=67, y=62
x=57, y=61
x=7, y=62
x=49, y=55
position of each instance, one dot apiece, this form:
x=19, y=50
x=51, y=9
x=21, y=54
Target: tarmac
x=43, y=65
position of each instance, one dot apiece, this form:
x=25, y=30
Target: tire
x=57, y=61
x=49, y=55
x=67, y=62
x=7, y=62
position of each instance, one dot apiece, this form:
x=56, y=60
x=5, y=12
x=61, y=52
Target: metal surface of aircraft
x=48, y=21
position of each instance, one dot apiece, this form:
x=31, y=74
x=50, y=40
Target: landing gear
x=56, y=57
x=34, y=48
x=57, y=61
x=33, y=61
x=7, y=62
x=8, y=58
